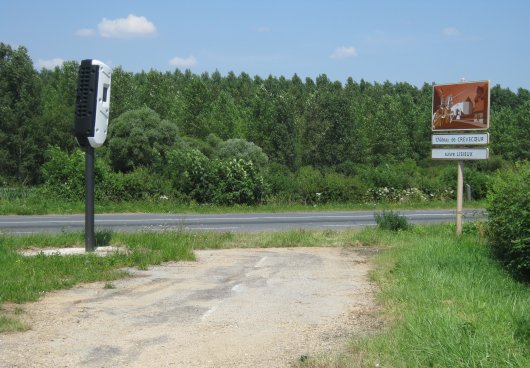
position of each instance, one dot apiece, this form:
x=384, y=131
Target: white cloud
x=451, y=32
x=343, y=52
x=132, y=26
x=183, y=62
x=263, y=29
x=51, y=63
x=85, y=32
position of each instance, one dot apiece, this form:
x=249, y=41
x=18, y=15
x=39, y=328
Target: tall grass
x=28, y=201
x=446, y=303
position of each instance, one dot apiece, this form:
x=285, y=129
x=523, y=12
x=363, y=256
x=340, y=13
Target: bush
x=309, y=184
x=341, y=188
x=140, y=138
x=223, y=182
x=242, y=149
x=388, y=220
x=237, y=182
x=509, y=219
x=64, y=176
x=397, y=175
x=281, y=180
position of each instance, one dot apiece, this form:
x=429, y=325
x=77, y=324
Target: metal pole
x=90, y=243
x=459, y=198
x=469, y=197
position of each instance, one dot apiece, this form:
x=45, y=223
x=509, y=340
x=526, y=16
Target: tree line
x=299, y=125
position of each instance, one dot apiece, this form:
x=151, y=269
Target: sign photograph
x=461, y=106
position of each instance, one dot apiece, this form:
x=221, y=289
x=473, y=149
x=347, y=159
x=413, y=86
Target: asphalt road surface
x=222, y=222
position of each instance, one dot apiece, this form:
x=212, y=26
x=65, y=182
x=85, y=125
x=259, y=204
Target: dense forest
x=241, y=139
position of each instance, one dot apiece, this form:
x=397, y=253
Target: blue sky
x=377, y=40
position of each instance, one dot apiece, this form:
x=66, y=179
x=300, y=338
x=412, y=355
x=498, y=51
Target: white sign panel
x=460, y=139
x=460, y=154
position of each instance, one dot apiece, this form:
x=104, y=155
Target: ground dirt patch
x=231, y=308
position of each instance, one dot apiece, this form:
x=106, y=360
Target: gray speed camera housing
x=92, y=103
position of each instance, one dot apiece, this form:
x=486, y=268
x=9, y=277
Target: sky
x=377, y=40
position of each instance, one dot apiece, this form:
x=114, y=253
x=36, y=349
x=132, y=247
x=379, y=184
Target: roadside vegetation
x=445, y=303
x=31, y=201
x=443, y=299
x=178, y=139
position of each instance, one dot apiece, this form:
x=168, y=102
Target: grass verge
x=446, y=303
x=34, y=205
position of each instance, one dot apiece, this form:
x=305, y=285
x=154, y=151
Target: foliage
x=21, y=132
x=223, y=182
x=389, y=220
x=241, y=149
x=139, y=138
x=237, y=182
x=509, y=219
x=309, y=184
x=65, y=178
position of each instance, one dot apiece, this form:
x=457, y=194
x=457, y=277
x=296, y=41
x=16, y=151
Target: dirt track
x=232, y=308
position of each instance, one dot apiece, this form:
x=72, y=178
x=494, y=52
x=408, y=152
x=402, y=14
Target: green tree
x=273, y=125
x=58, y=100
x=329, y=128
x=125, y=95
x=241, y=149
x=140, y=138
x=22, y=136
x=224, y=120
x=390, y=141
x=196, y=110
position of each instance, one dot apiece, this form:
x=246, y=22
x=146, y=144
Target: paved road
x=221, y=222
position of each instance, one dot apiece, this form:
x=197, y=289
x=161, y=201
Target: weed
x=389, y=220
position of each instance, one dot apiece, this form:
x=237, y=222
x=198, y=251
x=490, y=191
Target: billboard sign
x=461, y=106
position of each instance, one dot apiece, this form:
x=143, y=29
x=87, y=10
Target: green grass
x=445, y=303
x=28, y=202
x=25, y=279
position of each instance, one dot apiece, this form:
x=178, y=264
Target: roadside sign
x=461, y=139
x=461, y=106
x=460, y=154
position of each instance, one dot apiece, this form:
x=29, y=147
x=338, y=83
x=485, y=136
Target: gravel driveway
x=231, y=308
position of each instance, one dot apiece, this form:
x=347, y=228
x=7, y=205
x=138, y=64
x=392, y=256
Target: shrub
x=224, y=182
x=340, y=188
x=140, y=138
x=242, y=149
x=64, y=176
x=509, y=219
x=281, y=180
x=388, y=220
x=237, y=182
x=191, y=172
x=397, y=175
x=309, y=184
